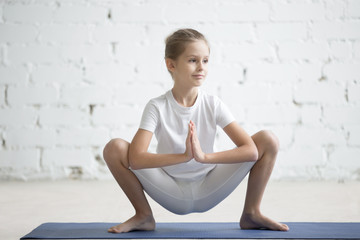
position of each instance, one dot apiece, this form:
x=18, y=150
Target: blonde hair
x=175, y=44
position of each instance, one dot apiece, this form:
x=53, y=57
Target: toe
x=284, y=227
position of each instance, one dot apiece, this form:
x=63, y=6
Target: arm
x=139, y=157
x=246, y=150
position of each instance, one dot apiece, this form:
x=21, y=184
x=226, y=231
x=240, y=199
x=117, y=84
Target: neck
x=185, y=97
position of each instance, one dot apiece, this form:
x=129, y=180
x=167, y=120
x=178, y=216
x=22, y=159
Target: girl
x=186, y=175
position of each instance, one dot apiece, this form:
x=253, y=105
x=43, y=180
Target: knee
x=271, y=141
x=115, y=150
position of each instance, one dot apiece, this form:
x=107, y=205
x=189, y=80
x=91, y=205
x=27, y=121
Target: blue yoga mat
x=298, y=230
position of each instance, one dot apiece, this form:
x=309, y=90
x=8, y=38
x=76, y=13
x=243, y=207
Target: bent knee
x=116, y=149
x=270, y=140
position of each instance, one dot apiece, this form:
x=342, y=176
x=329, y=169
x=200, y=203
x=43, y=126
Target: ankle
x=251, y=212
x=144, y=214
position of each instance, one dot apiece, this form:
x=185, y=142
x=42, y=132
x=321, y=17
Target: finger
x=194, y=129
x=189, y=131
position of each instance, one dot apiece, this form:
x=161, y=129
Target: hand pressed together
x=193, y=148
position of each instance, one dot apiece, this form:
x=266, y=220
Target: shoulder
x=211, y=99
x=157, y=101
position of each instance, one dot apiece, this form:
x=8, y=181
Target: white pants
x=183, y=197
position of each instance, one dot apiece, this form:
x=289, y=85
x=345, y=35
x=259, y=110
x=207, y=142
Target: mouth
x=198, y=76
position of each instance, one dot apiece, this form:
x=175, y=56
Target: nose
x=200, y=66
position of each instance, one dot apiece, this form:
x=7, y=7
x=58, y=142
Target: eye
x=192, y=60
x=206, y=61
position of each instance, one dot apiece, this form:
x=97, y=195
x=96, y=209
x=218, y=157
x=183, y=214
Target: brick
x=83, y=137
x=228, y=75
x=17, y=33
x=20, y=159
x=274, y=73
x=33, y=53
x=272, y=114
x=2, y=95
x=1, y=15
x=148, y=13
x=353, y=9
x=281, y=31
x=63, y=117
x=140, y=54
x=19, y=96
x=340, y=50
x=248, y=52
x=57, y=74
x=64, y=34
x=248, y=12
x=17, y=116
x=354, y=135
x=114, y=74
x=301, y=157
x=13, y=75
x=298, y=11
x=30, y=137
x=306, y=51
x=310, y=115
x=335, y=10
x=321, y=92
x=156, y=34
x=246, y=94
x=155, y=67
x=281, y=93
x=356, y=50
x=343, y=157
x=174, y=12
x=86, y=95
x=99, y=53
x=67, y=158
x=118, y=33
x=353, y=93
x=342, y=72
x=228, y=33
x=319, y=136
x=2, y=54
x=27, y=13
x=336, y=30
x=115, y=116
x=137, y=93
x=342, y=115
x=80, y=14
x=309, y=72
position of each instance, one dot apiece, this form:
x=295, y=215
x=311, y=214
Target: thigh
x=219, y=183
x=165, y=190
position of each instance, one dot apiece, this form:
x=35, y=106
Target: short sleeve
x=150, y=117
x=223, y=115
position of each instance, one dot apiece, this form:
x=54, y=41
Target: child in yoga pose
x=185, y=175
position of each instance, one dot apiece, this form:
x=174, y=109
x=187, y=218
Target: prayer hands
x=193, y=148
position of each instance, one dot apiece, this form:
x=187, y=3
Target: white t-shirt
x=169, y=121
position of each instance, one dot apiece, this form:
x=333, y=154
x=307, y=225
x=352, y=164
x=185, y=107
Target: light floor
x=25, y=205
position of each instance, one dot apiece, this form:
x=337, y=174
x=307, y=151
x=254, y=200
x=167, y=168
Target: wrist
x=186, y=157
x=207, y=158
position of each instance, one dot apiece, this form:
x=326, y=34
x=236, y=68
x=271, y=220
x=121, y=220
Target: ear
x=170, y=64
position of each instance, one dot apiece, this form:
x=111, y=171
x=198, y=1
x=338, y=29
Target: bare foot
x=136, y=223
x=258, y=221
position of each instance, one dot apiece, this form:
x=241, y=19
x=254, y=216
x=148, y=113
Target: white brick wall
x=74, y=74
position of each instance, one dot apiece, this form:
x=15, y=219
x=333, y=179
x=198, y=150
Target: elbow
x=253, y=153
x=133, y=163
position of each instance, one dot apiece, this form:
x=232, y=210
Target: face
x=191, y=67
